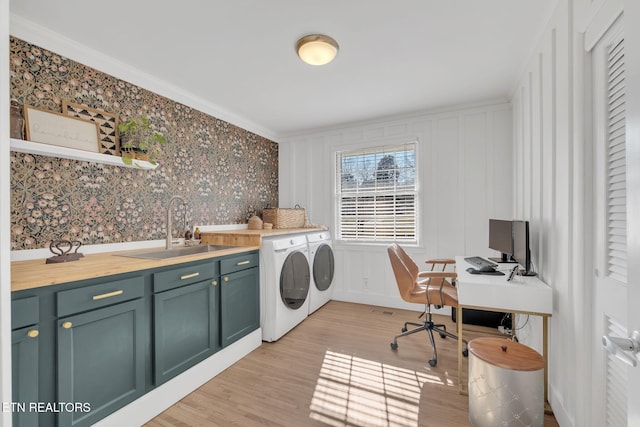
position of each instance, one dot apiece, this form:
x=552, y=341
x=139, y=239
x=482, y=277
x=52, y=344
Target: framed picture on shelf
x=107, y=125
x=53, y=128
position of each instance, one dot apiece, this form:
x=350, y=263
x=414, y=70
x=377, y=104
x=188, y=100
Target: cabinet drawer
x=183, y=276
x=24, y=312
x=96, y=296
x=238, y=262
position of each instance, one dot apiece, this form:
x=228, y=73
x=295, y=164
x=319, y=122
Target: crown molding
x=55, y=42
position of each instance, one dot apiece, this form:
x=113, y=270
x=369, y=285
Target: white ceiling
x=237, y=58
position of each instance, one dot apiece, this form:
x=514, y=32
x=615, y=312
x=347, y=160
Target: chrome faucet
x=169, y=243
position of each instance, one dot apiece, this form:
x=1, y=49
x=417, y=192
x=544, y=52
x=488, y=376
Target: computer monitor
x=501, y=239
x=521, y=251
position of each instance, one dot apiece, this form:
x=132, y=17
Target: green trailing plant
x=137, y=136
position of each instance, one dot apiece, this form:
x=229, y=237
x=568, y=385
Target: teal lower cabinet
x=82, y=350
x=239, y=304
x=24, y=353
x=100, y=361
x=186, y=328
x=25, y=344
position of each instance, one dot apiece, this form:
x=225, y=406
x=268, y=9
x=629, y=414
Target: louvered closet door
x=609, y=399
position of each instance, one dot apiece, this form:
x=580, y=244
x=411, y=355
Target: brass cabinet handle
x=33, y=333
x=67, y=325
x=189, y=276
x=243, y=262
x=225, y=278
x=214, y=282
x=108, y=295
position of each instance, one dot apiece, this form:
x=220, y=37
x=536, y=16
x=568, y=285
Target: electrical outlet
x=365, y=282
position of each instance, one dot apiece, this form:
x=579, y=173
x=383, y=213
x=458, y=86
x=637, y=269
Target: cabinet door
x=239, y=304
x=24, y=345
x=186, y=328
x=100, y=361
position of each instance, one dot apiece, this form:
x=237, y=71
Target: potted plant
x=140, y=141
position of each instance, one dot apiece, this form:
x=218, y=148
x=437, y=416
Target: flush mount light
x=317, y=49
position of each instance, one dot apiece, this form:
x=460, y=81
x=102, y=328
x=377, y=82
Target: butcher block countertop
x=249, y=237
x=36, y=273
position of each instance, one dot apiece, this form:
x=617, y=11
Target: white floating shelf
x=70, y=153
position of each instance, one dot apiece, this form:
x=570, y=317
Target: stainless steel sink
x=177, y=252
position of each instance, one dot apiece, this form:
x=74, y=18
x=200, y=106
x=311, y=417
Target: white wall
x=465, y=169
x=544, y=192
x=551, y=108
x=5, y=212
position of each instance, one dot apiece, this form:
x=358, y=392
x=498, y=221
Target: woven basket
x=255, y=223
x=285, y=217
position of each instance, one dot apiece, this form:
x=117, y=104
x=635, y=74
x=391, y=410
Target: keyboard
x=479, y=262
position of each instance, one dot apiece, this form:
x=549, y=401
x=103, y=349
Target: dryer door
x=323, y=267
x=294, y=280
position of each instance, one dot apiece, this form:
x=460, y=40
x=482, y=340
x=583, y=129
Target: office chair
x=424, y=287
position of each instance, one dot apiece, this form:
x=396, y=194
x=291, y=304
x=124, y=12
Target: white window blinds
x=616, y=165
x=377, y=194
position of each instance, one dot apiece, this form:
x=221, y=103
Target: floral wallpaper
x=224, y=172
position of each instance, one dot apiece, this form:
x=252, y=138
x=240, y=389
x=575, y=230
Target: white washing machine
x=322, y=267
x=284, y=283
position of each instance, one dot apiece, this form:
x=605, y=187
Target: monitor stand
x=504, y=259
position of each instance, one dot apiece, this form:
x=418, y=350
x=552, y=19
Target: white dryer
x=322, y=262
x=284, y=284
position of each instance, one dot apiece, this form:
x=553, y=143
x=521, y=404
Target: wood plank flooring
x=337, y=369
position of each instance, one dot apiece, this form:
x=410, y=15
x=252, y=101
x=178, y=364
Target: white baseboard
x=383, y=301
x=559, y=411
x=159, y=399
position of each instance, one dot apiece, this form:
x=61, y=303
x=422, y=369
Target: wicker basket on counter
x=285, y=217
x=255, y=223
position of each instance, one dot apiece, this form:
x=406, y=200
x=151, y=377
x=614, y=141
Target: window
x=377, y=194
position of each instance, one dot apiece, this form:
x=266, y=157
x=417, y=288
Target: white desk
x=523, y=295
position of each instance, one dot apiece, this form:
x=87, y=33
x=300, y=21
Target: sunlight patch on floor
x=352, y=391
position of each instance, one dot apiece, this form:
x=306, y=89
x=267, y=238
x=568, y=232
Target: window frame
x=381, y=146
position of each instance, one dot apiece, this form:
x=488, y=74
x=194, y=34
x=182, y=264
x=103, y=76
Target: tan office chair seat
x=447, y=296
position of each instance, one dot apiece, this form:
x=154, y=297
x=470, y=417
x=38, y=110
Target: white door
x=632, y=13
x=611, y=290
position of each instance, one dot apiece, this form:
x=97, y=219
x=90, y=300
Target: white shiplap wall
x=465, y=178
x=544, y=193
x=551, y=106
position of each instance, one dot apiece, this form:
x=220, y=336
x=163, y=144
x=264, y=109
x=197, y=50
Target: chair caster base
x=443, y=336
x=433, y=362
x=404, y=329
x=394, y=346
x=465, y=352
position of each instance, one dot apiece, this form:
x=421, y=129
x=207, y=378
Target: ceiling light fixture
x=317, y=49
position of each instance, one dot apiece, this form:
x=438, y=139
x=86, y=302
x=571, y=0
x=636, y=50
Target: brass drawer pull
x=67, y=325
x=108, y=295
x=189, y=276
x=33, y=333
x=243, y=262
x=225, y=278
x=214, y=282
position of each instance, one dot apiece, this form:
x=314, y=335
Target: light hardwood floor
x=336, y=368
